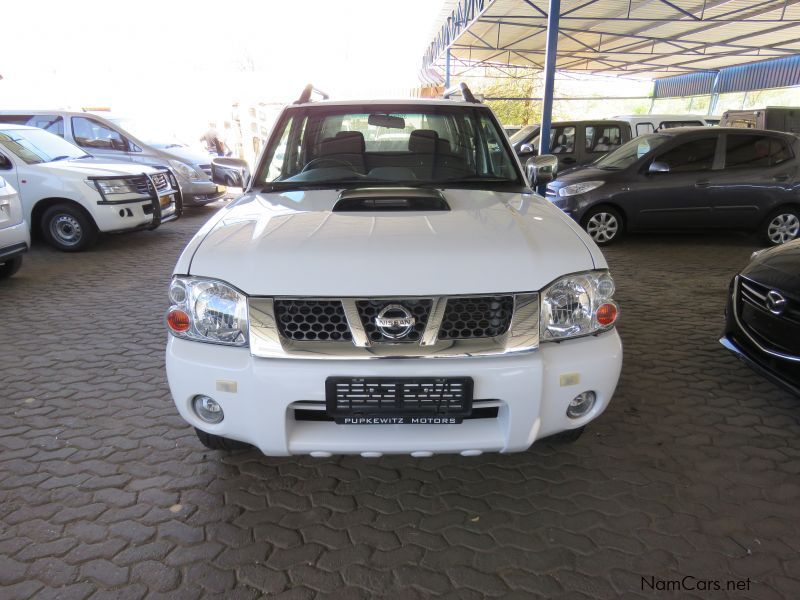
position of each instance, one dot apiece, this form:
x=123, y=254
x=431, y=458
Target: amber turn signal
x=178, y=320
x=606, y=314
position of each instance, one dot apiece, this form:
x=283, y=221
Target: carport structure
x=642, y=39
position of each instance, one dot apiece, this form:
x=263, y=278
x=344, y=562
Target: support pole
x=549, y=76
x=447, y=70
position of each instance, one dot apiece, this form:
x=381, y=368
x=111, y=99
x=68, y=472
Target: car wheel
x=604, y=225
x=68, y=228
x=11, y=266
x=217, y=442
x=781, y=226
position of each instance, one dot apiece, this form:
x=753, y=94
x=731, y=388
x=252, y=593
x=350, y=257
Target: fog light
x=208, y=409
x=580, y=405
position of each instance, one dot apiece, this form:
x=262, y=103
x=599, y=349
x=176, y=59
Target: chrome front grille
x=160, y=180
x=781, y=331
x=438, y=326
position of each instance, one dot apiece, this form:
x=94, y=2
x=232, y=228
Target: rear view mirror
x=388, y=121
x=230, y=172
x=541, y=169
x=658, y=167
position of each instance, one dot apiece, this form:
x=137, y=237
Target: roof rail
x=462, y=89
x=305, y=96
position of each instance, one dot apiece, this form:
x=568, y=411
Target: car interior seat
x=347, y=147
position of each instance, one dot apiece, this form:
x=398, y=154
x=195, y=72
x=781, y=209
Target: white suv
x=68, y=197
x=369, y=297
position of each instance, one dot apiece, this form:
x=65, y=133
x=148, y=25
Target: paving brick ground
x=106, y=493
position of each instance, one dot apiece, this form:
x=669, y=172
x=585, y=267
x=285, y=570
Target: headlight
x=206, y=310
x=184, y=170
x=579, y=188
x=577, y=305
x=111, y=187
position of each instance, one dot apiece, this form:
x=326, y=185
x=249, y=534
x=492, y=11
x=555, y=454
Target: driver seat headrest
x=345, y=142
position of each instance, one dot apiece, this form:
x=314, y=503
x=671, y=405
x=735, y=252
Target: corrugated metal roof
x=635, y=38
x=775, y=73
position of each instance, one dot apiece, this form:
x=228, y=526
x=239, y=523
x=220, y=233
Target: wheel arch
x=606, y=204
x=38, y=210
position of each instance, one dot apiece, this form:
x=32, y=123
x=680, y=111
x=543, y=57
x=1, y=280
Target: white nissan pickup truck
x=390, y=283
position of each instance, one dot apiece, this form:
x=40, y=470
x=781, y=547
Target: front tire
x=781, y=226
x=217, y=442
x=11, y=266
x=68, y=228
x=604, y=224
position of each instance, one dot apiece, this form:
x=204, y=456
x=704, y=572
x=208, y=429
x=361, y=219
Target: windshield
x=317, y=147
x=38, y=146
x=627, y=154
x=523, y=133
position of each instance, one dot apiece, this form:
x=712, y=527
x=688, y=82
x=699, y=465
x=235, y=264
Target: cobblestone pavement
x=105, y=492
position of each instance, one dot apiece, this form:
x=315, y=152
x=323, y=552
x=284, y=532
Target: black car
x=574, y=143
x=763, y=314
x=689, y=177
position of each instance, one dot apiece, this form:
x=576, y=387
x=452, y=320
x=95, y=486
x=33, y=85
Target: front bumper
x=527, y=389
x=785, y=373
x=198, y=193
x=14, y=240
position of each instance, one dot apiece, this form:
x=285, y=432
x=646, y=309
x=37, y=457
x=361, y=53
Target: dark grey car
x=691, y=177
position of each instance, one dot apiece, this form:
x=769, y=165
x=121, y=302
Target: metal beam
x=549, y=76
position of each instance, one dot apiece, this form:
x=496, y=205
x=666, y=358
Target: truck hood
x=291, y=243
x=92, y=168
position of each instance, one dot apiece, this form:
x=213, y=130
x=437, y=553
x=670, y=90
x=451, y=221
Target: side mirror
x=5, y=164
x=541, y=169
x=230, y=172
x=526, y=149
x=658, y=167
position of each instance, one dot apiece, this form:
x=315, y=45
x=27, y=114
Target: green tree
x=514, y=112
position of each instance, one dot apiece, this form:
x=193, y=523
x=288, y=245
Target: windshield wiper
x=279, y=186
x=62, y=157
x=472, y=179
x=82, y=157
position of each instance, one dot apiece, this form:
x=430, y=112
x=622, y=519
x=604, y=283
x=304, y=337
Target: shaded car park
x=689, y=178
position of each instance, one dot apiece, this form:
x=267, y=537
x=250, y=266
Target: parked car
x=643, y=124
x=69, y=198
x=356, y=301
x=776, y=118
x=14, y=236
x=574, y=143
x=107, y=139
x=763, y=314
x=695, y=177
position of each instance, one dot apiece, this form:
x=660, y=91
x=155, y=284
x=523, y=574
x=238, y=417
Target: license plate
x=418, y=420
x=398, y=401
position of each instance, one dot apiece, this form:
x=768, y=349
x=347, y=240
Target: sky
x=191, y=58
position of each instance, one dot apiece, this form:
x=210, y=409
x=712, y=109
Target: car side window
x=743, y=151
x=89, y=133
x=643, y=128
x=602, y=138
x=52, y=123
x=562, y=140
x=673, y=124
x=697, y=155
x=5, y=163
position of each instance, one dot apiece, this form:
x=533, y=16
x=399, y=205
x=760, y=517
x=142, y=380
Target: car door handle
x=783, y=177
x=702, y=183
